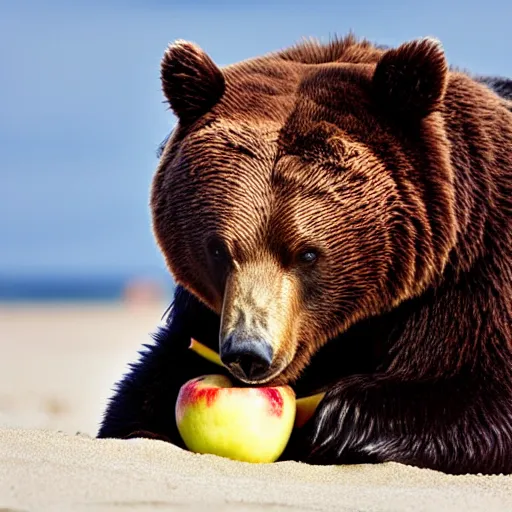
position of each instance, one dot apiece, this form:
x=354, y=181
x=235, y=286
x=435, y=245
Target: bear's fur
x=350, y=205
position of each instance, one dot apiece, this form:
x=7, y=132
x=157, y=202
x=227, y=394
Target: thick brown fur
x=395, y=172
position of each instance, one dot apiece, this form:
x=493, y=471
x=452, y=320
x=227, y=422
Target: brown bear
x=338, y=217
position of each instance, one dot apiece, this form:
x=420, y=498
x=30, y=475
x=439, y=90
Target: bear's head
x=304, y=191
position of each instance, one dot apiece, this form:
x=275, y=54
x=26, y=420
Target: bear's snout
x=257, y=319
x=247, y=358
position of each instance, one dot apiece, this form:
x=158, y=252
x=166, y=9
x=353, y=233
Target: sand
x=56, y=370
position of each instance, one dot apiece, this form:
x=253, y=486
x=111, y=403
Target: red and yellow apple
x=250, y=424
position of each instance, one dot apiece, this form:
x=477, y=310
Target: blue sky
x=81, y=112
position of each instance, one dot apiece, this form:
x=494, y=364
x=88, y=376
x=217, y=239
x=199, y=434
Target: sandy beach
x=57, y=367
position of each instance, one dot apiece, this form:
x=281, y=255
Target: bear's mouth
x=271, y=375
x=277, y=369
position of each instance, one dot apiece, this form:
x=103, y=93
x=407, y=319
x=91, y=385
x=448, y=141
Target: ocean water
x=79, y=288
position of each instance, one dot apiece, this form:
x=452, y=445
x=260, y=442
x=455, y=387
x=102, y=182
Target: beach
x=57, y=368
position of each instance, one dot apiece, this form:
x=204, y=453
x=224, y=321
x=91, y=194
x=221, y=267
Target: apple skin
x=250, y=424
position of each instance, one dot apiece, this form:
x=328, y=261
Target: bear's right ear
x=191, y=82
x=410, y=81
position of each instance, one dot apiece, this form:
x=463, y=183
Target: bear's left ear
x=191, y=81
x=410, y=81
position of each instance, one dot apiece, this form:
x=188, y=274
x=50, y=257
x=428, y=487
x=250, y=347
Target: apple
x=251, y=424
x=306, y=407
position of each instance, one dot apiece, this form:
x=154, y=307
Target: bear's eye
x=308, y=256
x=217, y=250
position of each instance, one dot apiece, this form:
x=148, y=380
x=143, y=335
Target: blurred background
x=81, y=117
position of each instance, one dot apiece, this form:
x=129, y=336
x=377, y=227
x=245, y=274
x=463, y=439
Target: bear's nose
x=247, y=359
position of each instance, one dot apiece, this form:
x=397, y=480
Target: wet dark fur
x=421, y=373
